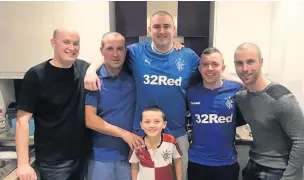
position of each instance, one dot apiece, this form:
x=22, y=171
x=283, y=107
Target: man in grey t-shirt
x=275, y=118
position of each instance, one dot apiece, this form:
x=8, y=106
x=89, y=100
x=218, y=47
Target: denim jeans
x=67, y=169
x=109, y=170
x=254, y=171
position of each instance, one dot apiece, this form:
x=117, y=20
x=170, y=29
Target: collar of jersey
x=103, y=73
x=160, y=52
x=161, y=141
x=213, y=90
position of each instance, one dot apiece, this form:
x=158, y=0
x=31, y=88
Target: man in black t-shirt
x=53, y=93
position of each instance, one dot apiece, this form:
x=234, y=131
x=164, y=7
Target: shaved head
x=66, y=45
x=111, y=35
x=63, y=29
x=248, y=45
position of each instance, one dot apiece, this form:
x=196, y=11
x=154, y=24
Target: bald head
x=250, y=46
x=111, y=36
x=66, y=45
x=64, y=30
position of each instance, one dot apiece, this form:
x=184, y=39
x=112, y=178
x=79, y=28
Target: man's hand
x=26, y=172
x=91, y=80
x=134, y=141
x=177, y=45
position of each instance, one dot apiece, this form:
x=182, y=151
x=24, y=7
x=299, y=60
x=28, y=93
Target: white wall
x=276, y=27
x=286, y=53
x=238, y=22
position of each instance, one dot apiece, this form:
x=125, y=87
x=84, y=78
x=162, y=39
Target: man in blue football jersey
x=161, y=73
x=214, y=117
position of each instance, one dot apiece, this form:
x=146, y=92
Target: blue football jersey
x=213, y=116
x=160, y=80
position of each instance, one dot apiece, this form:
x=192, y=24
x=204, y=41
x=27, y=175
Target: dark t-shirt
x=55, y=96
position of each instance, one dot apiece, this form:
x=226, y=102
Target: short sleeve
x=130, y=57
x=240, y=121
x=176, y=153
x=195, y=63
x=92, y=98
x=30, y=92
x=133, y=158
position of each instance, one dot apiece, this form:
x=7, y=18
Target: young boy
x=155, y=161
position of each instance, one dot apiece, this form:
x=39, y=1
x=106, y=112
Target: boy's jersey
x=157, y=164
x=214, y=119
x=160, y=80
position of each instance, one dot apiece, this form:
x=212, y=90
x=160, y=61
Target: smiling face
x=248, y=64
x=153, y=122
x=66, y=45
x=162, y=30
x=211, y=67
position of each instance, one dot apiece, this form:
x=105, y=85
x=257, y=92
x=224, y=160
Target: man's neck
x=259, y=85
x=212, y=86
x=60, y=64
x=113, y=71
x=162, y=49
x=153, y=142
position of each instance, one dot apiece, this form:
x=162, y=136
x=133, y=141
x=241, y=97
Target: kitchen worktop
x=13, y=174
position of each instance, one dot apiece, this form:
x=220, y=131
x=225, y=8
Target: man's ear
x=223, y=68
x=149, y=30
x=52, y=41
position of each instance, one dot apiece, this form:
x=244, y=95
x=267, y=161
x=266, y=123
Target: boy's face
x=152, y=123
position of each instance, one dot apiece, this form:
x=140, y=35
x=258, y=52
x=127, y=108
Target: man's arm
x=134, y=170
x=24, y=171
x=93, y=121
x=22, y=136
x=230, y=77
x=291, y=119
x=29, y=94
x=240, y=121
x=178, y=168
x=134, y=164
x=91, y=80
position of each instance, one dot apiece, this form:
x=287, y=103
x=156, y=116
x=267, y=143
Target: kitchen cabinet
x=27, y=27
x=23, y=28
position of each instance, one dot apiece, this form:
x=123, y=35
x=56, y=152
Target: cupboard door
x=21, y=35
x=193, y=18
x=131, y=18
x=91, y=19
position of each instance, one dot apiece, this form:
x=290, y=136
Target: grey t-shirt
x=277, y=124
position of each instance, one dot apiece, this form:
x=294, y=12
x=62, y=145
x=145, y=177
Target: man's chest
x=116, y=93
x=174, y=70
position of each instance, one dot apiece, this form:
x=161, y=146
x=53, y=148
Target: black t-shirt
x=55, y=96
